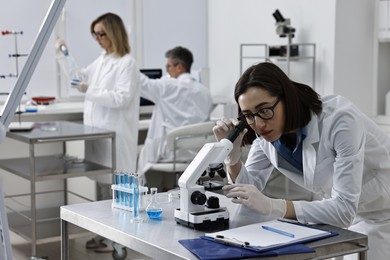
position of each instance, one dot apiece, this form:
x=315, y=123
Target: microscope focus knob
x=213, y=202
x=198, y=198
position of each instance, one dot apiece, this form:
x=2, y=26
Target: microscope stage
x=214, y=219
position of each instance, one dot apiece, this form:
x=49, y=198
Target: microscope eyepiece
x=239, y=128
x=278, y=16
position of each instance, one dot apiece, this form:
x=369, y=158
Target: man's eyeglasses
x=266, y=113
x=98, y=35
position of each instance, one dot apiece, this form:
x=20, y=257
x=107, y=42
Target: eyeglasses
x=266, y=113
x=98, y=35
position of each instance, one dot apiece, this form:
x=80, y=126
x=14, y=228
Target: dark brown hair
x=300, y=100
x=181, y=55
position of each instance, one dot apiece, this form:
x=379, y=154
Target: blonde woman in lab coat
x=179, y=100
x=325, y=145
x=111, y=98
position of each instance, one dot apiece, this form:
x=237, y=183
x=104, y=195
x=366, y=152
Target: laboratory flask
x=154, y=209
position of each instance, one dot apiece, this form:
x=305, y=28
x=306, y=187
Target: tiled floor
x=21, y=250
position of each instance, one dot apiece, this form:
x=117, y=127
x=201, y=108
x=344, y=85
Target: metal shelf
x=48, y=225
x=260, y=52
x=35, y=223
x=52, y=167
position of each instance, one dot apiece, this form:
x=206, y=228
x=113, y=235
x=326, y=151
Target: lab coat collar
x=309, y=151
x=186, y=77
x=111, y=60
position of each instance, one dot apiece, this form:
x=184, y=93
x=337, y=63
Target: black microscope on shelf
x=283, y=26
x=284, y=29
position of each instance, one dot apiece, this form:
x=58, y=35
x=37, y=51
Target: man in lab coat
x=179, y=100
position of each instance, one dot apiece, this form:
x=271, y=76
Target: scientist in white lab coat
x=110, y=84
x=179, y=100
x=325, y=145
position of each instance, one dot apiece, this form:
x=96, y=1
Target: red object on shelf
x=43, y=100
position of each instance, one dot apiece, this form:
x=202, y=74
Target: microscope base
x=216, y=219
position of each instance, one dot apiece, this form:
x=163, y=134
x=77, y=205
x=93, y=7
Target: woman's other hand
x=251, y=197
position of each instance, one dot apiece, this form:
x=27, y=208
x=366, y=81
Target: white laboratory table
x=159, y=239
x=68, y=111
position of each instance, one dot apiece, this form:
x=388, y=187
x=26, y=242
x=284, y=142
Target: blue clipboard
x=258, y=236
x=206, y=249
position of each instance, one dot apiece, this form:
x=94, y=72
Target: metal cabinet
x=37, y=223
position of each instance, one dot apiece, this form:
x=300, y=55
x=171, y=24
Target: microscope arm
x=211, y=153
x=192, y=211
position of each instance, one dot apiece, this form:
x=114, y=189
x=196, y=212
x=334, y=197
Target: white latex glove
x=221, y=130
x=250, y=196
x=80, y=85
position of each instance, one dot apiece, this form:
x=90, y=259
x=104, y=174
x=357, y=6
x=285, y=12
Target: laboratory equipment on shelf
x=283, y=26
x=154, y=209
x=16, y=54
x=286, y=54
x=193, y=212
x=284, y=29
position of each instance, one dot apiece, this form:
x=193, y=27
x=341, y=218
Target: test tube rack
x=122, y=197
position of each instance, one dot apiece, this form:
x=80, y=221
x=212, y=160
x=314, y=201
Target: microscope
x=283, y=27
x=193, y=212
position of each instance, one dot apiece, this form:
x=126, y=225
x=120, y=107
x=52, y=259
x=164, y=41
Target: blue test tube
x=131, y=183
x=123, y=184
x=117, y=183
x=136, y=199
x=126, y=184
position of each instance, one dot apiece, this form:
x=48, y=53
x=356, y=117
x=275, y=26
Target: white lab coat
x=346, y=164
x=178, y=102
x=112, y=102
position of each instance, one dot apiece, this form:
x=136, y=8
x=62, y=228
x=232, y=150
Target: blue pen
x=278, y=231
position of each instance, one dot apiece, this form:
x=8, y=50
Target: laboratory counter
x=158, y=239
x=65, y=111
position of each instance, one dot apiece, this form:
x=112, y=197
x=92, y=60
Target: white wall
x=343, y=39
x=26, y=16
x=170, y=23
x=354, y=52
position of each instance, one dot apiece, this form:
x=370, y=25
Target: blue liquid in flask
x=154, y=213
x=154, y=210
